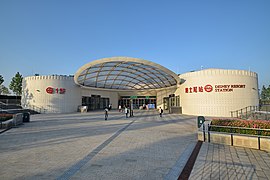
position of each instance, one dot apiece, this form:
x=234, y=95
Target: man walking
x=106, y=113
x=126, y=112
x=160, y=111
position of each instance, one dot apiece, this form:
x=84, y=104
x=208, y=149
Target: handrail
x=244, y=111
x=36, y=108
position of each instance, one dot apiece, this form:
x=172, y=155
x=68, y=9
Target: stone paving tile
x=54, y=144
x=233, y=162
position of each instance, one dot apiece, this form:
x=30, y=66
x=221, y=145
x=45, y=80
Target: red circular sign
x=208, y=88
x=49, y=90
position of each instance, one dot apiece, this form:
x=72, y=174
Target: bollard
x=203, y=132
x=208, y=133
x=231, y=136
x=259, y=139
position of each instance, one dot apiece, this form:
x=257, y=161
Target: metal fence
x=254, y=112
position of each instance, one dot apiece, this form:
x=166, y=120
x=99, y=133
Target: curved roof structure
x=125, y=73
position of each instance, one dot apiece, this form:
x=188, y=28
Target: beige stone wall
x=231, y=90
x=113, y=95
x=164, y=93
x=34, y=94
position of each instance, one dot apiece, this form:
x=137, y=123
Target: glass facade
x=138, y=101
x=95, y=102
x=125, y=75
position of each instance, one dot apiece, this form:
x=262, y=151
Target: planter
x=255, y=142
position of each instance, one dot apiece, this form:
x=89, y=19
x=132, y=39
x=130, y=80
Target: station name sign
x=51, y=90
x=214, y=88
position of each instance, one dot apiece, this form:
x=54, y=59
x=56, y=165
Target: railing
x=36, y=108
x=236, y=131
x=244, y=113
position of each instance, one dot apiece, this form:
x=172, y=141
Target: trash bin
x=26, y=117
x=200, y=121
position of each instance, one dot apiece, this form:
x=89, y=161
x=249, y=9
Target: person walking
x=126, y=112
x=119, y=108
x=106, y=110
x=110, y=107
x=160, y=111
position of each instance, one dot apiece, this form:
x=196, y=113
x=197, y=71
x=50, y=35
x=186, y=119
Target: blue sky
x=59, y=36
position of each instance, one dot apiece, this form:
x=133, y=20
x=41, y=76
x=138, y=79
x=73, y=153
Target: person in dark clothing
x=106, y=113
x=160, y=112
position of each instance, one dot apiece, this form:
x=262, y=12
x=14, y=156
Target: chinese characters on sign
x=194, y=89
x=218, y=88
x=51, y=90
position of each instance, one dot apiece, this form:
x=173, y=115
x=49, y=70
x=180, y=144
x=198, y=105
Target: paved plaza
x=85, y=146
x=217, y=161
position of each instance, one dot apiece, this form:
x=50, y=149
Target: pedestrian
x=126, y=112
x=106, y=113
x=119, y=108
x=160, y=111
x=110, y=107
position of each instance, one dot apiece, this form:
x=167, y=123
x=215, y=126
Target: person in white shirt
x=106, y=110
x=126, y=112
x=119, y=108
x=160, y=112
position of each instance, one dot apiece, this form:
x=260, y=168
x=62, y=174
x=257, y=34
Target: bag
x=161, y=110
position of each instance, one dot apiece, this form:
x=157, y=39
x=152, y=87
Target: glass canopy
x=125, y=74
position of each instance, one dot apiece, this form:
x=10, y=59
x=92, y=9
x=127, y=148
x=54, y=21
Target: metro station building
x=126, y=81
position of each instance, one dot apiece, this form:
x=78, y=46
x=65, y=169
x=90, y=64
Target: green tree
x=4, y=90
x=265, y=94
x=16, y=84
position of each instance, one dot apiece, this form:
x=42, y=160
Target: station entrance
x=138, y=101
x=172, y=104
x=95, y=102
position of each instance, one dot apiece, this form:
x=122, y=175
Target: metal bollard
x=203, y=132
x=231, y=136
x=208, y=133
x=259, y=139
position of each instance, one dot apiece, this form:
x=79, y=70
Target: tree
x=16, y=84
x=265, y=94
x=4, y=90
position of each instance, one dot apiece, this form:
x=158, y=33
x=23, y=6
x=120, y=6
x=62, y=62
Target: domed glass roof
x=125, y=74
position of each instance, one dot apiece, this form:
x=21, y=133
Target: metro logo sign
x=208, y=88
x=51, y=90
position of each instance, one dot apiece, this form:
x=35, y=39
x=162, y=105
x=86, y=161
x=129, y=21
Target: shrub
x=258, y=124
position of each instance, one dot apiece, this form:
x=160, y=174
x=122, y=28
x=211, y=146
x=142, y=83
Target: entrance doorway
x=172, y=104
x=95, y=102
x=138, y=101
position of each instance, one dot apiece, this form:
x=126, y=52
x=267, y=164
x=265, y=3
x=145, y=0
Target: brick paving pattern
x=216, y=161
x=84, y=146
